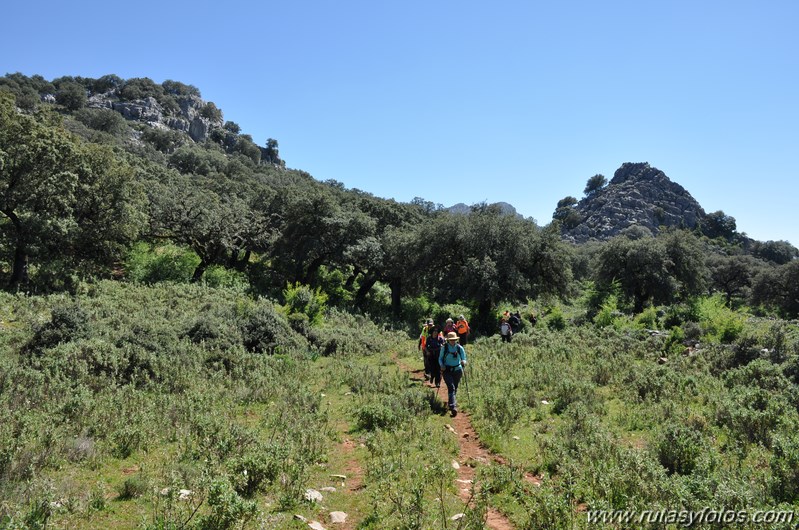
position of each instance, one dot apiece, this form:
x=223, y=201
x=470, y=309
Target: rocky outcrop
x=504, y=208
x=187, y=119
x=638, y=195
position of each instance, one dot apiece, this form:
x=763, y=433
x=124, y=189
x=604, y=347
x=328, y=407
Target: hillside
x=194, y=336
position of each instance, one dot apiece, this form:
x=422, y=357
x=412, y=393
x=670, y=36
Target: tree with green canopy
x=594, y=184
x=656, y=270
x=60, y=198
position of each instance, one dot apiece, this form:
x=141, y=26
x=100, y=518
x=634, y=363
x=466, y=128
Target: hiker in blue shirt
x=452, y=359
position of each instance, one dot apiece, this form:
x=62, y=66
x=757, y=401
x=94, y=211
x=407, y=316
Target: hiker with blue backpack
x=452, y=360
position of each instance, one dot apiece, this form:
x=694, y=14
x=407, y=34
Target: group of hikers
x=444, y=354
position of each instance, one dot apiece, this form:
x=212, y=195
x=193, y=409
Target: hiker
x=462, y=329
x=434, y=342
x=452, y=360
x=449, y=327
x=426, y=325
x=505, y=329
x=515, y=322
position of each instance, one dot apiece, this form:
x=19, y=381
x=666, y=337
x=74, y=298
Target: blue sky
x=515, y=101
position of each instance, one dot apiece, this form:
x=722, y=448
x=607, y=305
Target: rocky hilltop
x=638, y=195
x=504, y=208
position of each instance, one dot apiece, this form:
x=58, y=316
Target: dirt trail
x=471, y=451
x=354, y=481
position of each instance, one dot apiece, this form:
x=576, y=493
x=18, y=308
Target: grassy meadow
x=189, y=406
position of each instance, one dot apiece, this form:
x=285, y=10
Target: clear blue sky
x=516, y=101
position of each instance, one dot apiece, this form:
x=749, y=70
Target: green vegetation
x=192, y=335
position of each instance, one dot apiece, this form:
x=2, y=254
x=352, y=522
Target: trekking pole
x=466, y=382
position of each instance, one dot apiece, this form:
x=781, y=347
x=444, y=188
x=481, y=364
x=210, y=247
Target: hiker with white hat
x=452, y=360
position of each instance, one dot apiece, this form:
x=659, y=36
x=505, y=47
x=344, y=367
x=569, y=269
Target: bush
x=227, y=508
x=679, y=447
x=215, y=330
x=719, y=323
x=647, y=319
x=785, y=467
x=555, y=319
x=264, y=330
x=68, y=322
x=574, y=391
x=105, y=120
x=133, y=487
x=166, y=263
x=304, y=300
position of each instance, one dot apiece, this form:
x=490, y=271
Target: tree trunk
x=199, y=271
x=19, y=270
x=485, y=318
x=351, y=280
x=237, y=263
x=396, y=296
x=313, y=268
x=366, y=286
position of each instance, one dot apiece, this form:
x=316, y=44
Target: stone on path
x=328, y=489
x=455, y=465
x=338, y=517
x=316, y=525
x=313, y=495
x=342, y=477
x=457, y=517
x=300, y=518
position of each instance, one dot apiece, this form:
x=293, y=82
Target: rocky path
x=471, y=452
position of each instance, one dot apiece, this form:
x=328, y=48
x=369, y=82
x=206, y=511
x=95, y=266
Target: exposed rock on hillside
x=187, y=119
x=504, y=207
x=638, y=195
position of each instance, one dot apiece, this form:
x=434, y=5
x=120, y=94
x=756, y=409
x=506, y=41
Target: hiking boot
x=454, y=412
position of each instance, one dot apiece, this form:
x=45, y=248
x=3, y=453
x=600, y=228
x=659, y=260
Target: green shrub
x=306, y=301
x=555, y=320
x=67, y=322
x=751, y=414
x=265, y=330
x=389, y=411
x=647, y=319
x=221, y=277
x=227, y=508
x=215, y=330
x=679, y=447
x=785, y=467
x=573, y=391
x=257, y=467
x=608, y=313
x=133, y=487
x=501, y=407
x=719, y=323
x=166, y=263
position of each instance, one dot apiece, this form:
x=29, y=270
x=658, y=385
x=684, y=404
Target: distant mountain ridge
x=504, y=207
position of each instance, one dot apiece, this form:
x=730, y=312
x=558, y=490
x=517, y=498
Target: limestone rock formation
x=638, y=195
x=187, y=118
